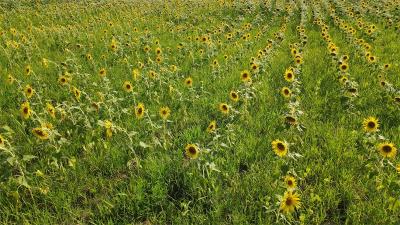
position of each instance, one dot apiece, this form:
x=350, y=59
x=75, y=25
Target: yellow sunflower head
x=286, y=92
x=28, y=90
x=290, y=182
x=127, y=86
x=289, y=75
x=192, y=151
x=41, y=133
x=26, y=110
x=102, y=72
x=371, y=124
x=189, y=82
x=139, y=110
x=51, y=110
x=387, y=150
x=234, y=96
x=164, y=112
x=224, y=108
x=280, y=148
x=212, y=126
x=245, y=76
x=290, y=202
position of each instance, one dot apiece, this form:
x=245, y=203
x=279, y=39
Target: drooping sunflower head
x=192, y=151
x=280, y=148
x=26, y=110
x=371, y=124
x=189, y=82
x=2, y=141
x=41, y=133
x=127, y=86
x=212, y=126
x=224, y=108
x=139, y=110
x=245, y=76
x=164, y=112
x=51, y=110
x=286, y=92
x=152, y=74
x=77, y=93
x=290, y=182
x=234, y=96
x=290, y=202
x=397, y=99
x=387, y=150
x=291, y=120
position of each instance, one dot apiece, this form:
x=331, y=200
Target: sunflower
x=371, y=59
x=290, y=202
x=113, y=45
x=28, y=90
x=159, y=59
x=234, y=96
x=77, y=93
x=26, y=110
x=298, y=61
x=344, y=67
x=158, y=51
x=51, y=110
x=386, y=66
x=28, y=70
x=135, y=74
x=371, y=124
x=397, y=99
x=254, y=66
x=41, y=133
x=212, y=126
x=108, y=125
x=387, y=150
x=189, y=82
x=152, y=74
x=10, y=79
x=291, y=120
x=289, y=75
x=245, y=76
x=280, y=148
x=63, y=80
x=102, y=72
x=398, y=168
x=2, y=141
x=139, y=110
x=286, y=92
x=343, y=79
x=224, y=108
x=127, y=86
x=164, y=112
x=290, y=182
x=191, y=151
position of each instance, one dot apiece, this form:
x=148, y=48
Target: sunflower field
x=199, y=112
